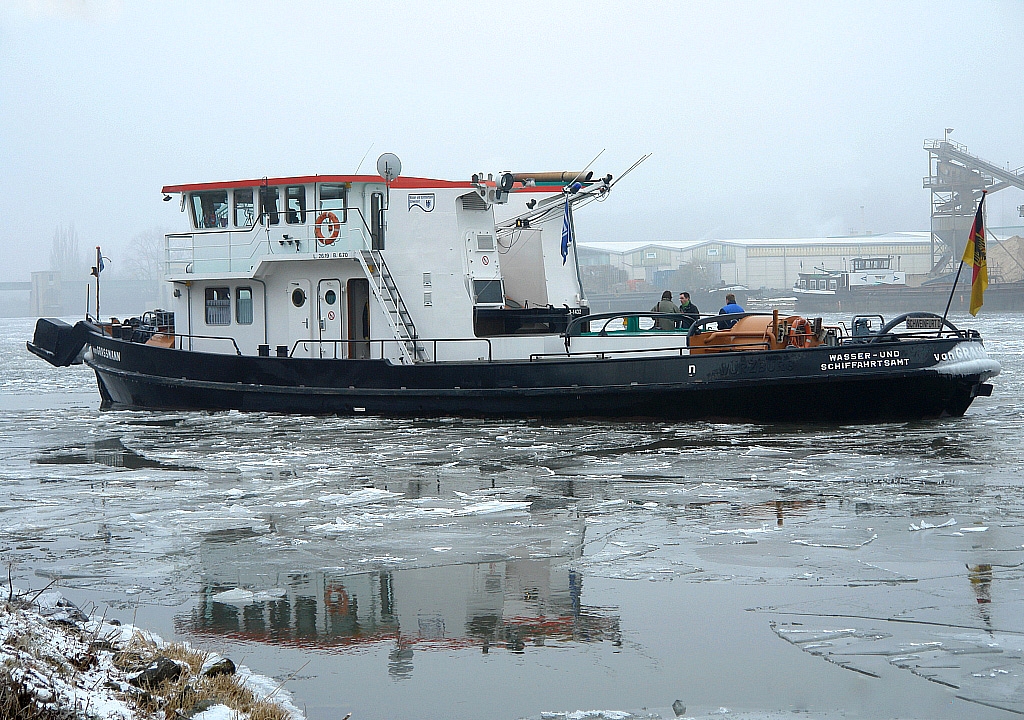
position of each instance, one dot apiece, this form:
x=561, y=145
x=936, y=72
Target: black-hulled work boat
x=397, y=295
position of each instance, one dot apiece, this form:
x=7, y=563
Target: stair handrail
x=401, y=309
x=405, y=342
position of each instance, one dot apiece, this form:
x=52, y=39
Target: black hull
x=889, y=381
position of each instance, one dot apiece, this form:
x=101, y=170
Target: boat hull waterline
x=911, y=379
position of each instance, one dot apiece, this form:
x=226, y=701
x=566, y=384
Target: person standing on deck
x=730, y=308
x=691, y=313
x=665, y=305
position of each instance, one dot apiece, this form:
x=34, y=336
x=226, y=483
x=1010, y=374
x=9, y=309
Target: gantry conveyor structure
x=956, y=179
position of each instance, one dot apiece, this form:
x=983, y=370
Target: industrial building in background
x=956, y=180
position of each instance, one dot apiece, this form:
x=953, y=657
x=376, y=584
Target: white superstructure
x=354, y=266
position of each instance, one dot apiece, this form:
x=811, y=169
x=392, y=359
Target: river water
x=486, y=569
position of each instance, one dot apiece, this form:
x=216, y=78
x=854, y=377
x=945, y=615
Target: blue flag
x=99, y=261
x=566, y=230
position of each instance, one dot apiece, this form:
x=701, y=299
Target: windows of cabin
x=335, y=197
x=245, y=209
x=871, y=264
x=295, y=200
x=214, y=208
x=209, y=208
x=488, y=292
x=270, y=205
x=218, y=306
x=243, y=305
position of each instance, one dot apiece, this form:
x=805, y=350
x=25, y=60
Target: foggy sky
x=765, y=119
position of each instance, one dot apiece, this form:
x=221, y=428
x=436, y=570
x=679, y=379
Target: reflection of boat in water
x=463, y=313
x=509, y=604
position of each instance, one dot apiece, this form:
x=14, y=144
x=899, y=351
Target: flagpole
x=99, y=269
x=575, y=255
x=953, y=290
x=975, y=227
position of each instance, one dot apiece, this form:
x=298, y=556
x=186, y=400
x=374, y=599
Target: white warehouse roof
x=903, y=238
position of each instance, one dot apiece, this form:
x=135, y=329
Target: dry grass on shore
x=57, y=664
x=193, y=689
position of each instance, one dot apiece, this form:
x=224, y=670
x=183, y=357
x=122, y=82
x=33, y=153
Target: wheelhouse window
x=270, y=205
x=210, y=208
x=218, y=306
x=335, y=197
x=245, y=210
x=296, y=201
x=243, y=306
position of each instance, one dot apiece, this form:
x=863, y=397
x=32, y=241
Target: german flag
x=974, y=254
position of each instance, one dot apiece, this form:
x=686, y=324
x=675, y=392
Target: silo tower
x=956, y=179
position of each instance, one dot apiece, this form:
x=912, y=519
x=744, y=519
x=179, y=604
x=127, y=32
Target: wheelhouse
x=355, y=266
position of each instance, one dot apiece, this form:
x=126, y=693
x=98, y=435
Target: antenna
x=363, y=158
x=584, y=170
x=633, y=167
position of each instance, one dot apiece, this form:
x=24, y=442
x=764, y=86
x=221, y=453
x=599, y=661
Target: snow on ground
x=64, y=661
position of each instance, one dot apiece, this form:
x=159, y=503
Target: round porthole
x=298, y=297
x=330, y=297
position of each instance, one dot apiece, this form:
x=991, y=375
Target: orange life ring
x=329, y=233
x=335, y=599
x=800, y=333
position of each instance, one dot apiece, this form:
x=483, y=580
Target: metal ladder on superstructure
x=386, y=292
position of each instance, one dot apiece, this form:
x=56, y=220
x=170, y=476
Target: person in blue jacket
x=730, y=308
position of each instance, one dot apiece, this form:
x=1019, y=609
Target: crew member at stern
x=665, y=305
x=731, y=307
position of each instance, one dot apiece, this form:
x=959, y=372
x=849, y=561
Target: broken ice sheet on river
x=935, y=597
x=235, y=508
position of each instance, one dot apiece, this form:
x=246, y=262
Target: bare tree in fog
x=144, y=259
x=65, y=255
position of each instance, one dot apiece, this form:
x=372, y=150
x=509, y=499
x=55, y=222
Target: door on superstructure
x=359, y=318
x=328, y=309
x=300, y=325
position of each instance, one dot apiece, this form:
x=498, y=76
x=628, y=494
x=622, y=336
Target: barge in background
x=409, y=296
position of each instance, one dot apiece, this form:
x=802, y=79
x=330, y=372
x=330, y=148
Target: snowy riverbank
x=56, y=662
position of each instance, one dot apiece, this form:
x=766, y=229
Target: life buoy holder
x=335, y=599
x=800, y=333
x=327, y=227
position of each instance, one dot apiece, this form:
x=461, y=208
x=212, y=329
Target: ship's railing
x=918, y=325
x=234, y=250
x=667, y=350
x=630, y=320
x=382, y=343
x=179, y=340
x=604, y=354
